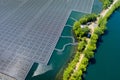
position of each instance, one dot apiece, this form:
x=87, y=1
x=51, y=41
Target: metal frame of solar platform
x=30, y=29
x=6, y=77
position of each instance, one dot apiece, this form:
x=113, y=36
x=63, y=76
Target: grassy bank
x=103, y=20
x=106, y=3
x=59, y=75
x=81, y=35
x=86, y=46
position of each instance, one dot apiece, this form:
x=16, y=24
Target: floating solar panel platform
x=6, y=77
x=30, y=29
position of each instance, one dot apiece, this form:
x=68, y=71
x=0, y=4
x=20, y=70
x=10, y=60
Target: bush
x=106, y=3
x=89, y=53
x=98, y=31
x=69, y=70
x=89, y=50
x=88, y=18
x=81, y=46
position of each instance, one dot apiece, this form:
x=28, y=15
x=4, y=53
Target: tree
x=85, y=31
x=106, y=3
x=102, y=23
x=89, y=54
x=76, y=25
x=91, y=47
x=83, y=20
x=77, y=75
x=94, y=36
x=88, y=18
x=81, y=45
x=85, y=61
x=98, y=31
x=93, y=39
x=77, y=32
x=83, y=67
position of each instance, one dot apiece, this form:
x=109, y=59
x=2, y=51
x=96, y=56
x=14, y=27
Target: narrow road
x=78, y=64
x=80, y=60
x=92, y=26
x=104, y=12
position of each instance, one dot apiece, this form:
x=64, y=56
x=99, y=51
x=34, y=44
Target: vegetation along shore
x=87, y=32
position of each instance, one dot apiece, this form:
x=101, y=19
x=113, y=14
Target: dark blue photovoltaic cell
x=30, y=29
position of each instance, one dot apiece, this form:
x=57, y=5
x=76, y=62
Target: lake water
x=59, y=59
x=107, y=64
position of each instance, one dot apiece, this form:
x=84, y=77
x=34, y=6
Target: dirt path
x=80, y=60
x=104, y=12
x=92, y=26
x=77, y=65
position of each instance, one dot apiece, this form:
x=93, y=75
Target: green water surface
x=59, y=60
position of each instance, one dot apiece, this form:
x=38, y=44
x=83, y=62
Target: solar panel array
x=30, y=29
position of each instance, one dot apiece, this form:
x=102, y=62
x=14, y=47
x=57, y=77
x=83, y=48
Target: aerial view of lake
x=106, y=64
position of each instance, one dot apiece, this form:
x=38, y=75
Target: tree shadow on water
x=100, y=40
x=92, y=61
x=106, y=32
x=84, y=75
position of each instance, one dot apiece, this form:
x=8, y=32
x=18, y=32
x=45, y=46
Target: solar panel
x=30, y=29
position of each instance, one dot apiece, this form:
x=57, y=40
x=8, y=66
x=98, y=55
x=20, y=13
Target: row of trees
x=106, y=3
x=98, y=31
x=84, y=47
x=71, y=66
x=91, y=47
x=81, y=69
x=82, y=32
x=88, y=18
x=77, y=75
x=103, y=20
x=81, y=45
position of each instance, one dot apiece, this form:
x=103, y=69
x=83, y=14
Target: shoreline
x=102, y=18
x=60, y=72
x=102, y=14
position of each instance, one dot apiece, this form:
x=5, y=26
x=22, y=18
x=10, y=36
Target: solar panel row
x=30, y=29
